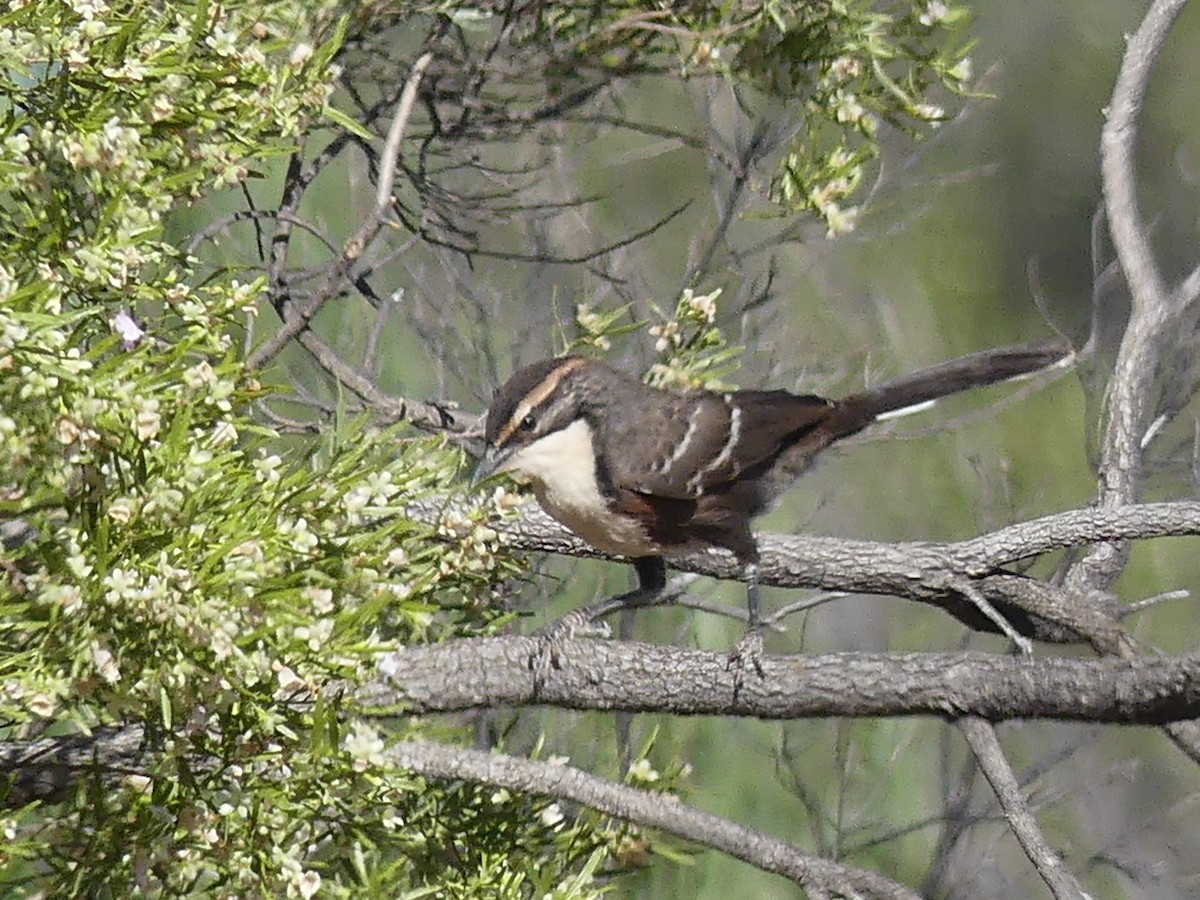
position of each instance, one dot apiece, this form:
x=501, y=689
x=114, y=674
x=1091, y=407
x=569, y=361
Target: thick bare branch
x=927, y=572
x=1128, y=403
x=636, y=677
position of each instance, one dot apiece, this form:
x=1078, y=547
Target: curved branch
x=427, y=416
x=1127, y=400
x=1128, y=397
x=297, y=319
x=662, y=812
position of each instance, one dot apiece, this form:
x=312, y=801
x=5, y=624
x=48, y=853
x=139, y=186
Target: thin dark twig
x=296, y=320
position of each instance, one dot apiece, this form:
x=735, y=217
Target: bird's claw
x=747, y=654
x=550, y=639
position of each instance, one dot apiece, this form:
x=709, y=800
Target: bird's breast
x=562, y=469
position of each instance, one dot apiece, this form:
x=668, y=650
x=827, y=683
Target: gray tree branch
x=981, y=737
x=1128, y=402
x=663, y=812
x=937, y=574
x=1129, y=396
x=481, y=673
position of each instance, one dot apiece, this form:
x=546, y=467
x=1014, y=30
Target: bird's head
x=529, y=424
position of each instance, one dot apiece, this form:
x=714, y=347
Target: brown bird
x=654, y=475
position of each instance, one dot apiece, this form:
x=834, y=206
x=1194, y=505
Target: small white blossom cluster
x=364, y=746
x=642, y=772
x=693, y=346
x=888, y=66
x=693, y=311
x=593, y=326
x=935, y=12
x=472, y=543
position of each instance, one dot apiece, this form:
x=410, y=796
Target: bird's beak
x=492, y=462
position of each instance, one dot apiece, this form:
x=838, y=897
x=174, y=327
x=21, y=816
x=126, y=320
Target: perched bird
x=653, y=475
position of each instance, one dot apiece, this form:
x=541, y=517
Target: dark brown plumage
x=653, y=474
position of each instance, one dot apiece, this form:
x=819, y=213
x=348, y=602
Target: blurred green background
x=971, y=239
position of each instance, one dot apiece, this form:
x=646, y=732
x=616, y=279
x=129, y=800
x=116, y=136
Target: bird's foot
x=550, y=639
x=747, y=654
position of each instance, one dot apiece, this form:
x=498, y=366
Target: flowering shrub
x=168, y=560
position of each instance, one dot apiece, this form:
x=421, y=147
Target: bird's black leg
x=652, y=580
x=749, y=650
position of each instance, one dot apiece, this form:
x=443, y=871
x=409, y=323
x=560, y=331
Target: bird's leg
x=652, y=580
x=748, y=652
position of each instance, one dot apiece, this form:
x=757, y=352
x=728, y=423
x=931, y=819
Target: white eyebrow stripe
x=536, y=396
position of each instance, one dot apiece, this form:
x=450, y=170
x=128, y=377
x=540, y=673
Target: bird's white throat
x=561, y=466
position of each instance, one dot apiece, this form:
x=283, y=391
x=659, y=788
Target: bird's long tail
x=973, y=370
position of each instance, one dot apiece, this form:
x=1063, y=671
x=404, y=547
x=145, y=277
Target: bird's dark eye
x=528, y=423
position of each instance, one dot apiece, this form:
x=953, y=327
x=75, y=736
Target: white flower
x=147, y=421
x=224, y=434
x=934, y=13
x=364, y=745
x=320, y=598
x=552, y=816
x=41, y=705
x=266, y=469
x=705, y=305
x=199, y=375
x=221, y=644
x=68, y=431
x=67, y=597
x=303, y=540
x=162, y=107
x=122, y=585
x=105, y=663
x=846, y=108
x=122, y=510
x=929, y=112
x=840, y=221
x=380, y=486
x=8, y=284
x=289, y=681
x=222, y=41
x=845, y=67
x=79, y=566
x=309, y=883
x=643, y=771
x=301, y=54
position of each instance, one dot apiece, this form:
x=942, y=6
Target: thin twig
x=981, y=737
x=296, y=320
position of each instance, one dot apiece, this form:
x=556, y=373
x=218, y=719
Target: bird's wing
x=703, y=440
